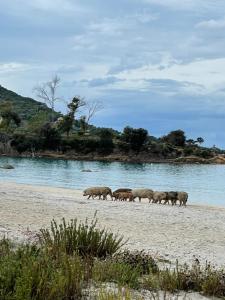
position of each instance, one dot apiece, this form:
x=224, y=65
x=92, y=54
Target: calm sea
x=204, y=183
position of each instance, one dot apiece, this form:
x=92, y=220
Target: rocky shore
x=140, y=158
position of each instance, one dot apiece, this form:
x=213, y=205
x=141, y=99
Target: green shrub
x=206, y=280
x=27, y=273
x=51, y=137
x=137, y=259
x=80, y=145
x=120, y=273
x=123, y=146
x=22, y=143
x=71, y=255
x=80, y=238
x=213, y=281
x=136, y=138
x=105, y=146
x=5, y=247
x=176, y=138
x=188, y=150
x=204, y=153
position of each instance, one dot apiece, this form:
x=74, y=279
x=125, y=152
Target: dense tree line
x=72, y=133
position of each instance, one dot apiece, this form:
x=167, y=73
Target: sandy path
x=172, y=232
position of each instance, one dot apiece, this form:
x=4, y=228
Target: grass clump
x=137, y=259
x=81, y=238
x=206, y=280
x=118, y=295
x=27, y=274
x=120, y=273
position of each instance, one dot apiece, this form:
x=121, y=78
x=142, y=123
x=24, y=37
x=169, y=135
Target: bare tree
x=47, y=92
x=92, y=108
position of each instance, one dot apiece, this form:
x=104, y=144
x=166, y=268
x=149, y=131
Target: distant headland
x=29, y=128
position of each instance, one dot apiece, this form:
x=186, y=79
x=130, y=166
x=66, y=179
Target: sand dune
x=165, y=231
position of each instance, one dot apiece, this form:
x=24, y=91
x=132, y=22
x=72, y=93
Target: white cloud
x=116, y=26
x=189, y=4
x=204, y=76
x=212, y=24
x=13, y=67
x=106, y=27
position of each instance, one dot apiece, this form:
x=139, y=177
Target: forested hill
x=25, y=107
x=30, y=128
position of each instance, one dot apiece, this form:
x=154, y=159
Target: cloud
x=172, y=87
x=13, y=67
x=98, y=82
x=197, y=116
x=148, y=56
x=205, y=5
x=21, y=7
x=212, y=24
x=207, y=75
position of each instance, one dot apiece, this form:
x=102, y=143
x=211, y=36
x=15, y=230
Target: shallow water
x=204, y=183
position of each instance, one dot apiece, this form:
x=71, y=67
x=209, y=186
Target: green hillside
x=24, y=106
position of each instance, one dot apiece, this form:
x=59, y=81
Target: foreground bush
x=120, y=273
x=137, y=259
x=27, y=274
x=81, y=238
x=206, y=280
x=73, y=260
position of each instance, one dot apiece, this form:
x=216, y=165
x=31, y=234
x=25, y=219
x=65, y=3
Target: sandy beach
x=165, y=231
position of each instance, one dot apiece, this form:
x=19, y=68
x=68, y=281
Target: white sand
x=166, y=231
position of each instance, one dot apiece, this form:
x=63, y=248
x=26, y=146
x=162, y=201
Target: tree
x=47, y=92
x=176, y=138
x=35, y=124
x=106, y=145
x=83, y=125
x=66, y=122
x=135, y=137
x=92, y=108
x=200, y=140
x=191, y=142
x=51, y=136
x=8, y=117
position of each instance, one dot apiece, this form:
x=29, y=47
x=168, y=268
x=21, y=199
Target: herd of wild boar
x=125, y=194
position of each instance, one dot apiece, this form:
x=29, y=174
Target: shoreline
x=49, y=187
x=109, y=158
x=164, y=231
x=217, y=160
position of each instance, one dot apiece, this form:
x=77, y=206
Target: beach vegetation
x=72, y=260
x=83, y=239
x=116, y=295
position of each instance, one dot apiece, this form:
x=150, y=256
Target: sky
x=155, y=64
